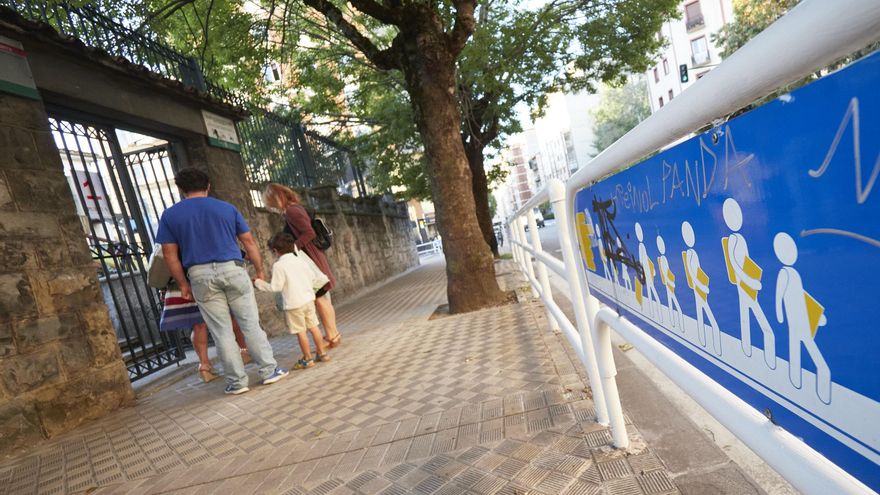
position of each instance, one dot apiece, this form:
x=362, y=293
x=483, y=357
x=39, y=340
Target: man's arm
x=171, y=252
x=250, y=247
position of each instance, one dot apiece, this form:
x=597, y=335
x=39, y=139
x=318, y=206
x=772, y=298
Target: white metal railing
x=577, y=334
x=432, y=247
x=774, y=58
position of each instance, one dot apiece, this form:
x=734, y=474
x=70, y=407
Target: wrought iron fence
x=274, y=148
x=95, y=29
x=337, y=164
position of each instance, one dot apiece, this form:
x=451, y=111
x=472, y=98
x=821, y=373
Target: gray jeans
x=219, y=288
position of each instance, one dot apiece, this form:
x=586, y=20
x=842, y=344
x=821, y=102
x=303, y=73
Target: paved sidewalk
x=486, y=402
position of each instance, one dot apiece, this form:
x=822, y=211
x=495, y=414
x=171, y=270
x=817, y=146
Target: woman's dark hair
x=192, y=180
x=283, y=243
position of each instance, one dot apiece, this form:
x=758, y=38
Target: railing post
x=543, y=279
x=609, y=379
x=582, y=318
x=530, y=265
x=511, y=234
x=518, y=235
x=191, y=74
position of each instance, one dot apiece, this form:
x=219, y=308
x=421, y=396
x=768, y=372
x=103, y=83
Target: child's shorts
x=301, y=318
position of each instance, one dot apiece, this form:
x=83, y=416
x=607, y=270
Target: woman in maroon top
x=299, y=224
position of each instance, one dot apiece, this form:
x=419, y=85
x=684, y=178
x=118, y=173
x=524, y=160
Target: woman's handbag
x=158, y=274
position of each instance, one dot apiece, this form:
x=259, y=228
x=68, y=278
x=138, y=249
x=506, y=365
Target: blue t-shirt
x=204, y=229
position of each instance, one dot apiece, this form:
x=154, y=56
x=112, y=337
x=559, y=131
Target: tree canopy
x=754, y=16
x=517, y=56
x=421, y=88
x=620, y=109
x=751, y=17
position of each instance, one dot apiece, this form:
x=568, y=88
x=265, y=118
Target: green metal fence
x=275, y=148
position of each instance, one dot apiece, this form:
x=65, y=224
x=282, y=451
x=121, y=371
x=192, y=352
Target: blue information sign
x=753, y=251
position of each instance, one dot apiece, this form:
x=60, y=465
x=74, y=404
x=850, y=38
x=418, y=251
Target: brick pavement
x=487, y=402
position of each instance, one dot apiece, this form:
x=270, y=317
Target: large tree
x=517, y=56
x=414, y=53
x=426, y=43
x=420, y=41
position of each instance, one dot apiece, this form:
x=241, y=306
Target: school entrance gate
x=121, y=183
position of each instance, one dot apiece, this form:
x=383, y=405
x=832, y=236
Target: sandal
x=208, y=374
x=322, y=358
x=334, y=342
x=303, y=364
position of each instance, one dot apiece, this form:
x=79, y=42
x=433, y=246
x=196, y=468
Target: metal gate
x=120, y=196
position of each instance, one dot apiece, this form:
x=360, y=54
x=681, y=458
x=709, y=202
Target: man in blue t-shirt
x=199, y=238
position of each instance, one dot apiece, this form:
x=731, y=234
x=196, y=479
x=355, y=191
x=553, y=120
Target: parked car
x=498, y=233
x=539, y=218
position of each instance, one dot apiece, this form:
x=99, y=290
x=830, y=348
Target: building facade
x=551, y=147
x=688, y=44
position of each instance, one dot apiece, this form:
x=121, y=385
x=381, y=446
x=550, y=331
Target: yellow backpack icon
x=749, y=266
x=701, y=276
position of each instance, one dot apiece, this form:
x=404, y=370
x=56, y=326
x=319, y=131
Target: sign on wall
x=221, y=131
x=15, y=73
x=753, y=251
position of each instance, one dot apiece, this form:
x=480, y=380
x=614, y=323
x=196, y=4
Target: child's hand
x=262, y=285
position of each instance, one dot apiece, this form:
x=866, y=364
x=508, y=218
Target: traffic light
x=683, y=73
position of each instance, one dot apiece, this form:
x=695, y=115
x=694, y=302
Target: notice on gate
x=221, y=131
x=752, y=250
x=15, y=72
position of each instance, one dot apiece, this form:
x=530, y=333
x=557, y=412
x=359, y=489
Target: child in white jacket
x=297, y=278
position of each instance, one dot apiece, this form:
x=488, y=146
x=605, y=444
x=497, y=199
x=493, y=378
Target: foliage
x=754, y=16
x=620, y=109
x=751, y=17
x=518, y=54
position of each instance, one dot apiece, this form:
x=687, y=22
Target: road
x=550, y=238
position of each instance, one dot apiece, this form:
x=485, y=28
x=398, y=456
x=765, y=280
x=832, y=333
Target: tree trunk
x=429, y=70
x=481, y=195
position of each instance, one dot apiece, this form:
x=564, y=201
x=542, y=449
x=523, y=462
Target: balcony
x=694, y=23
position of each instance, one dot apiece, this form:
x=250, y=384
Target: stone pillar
x=59, y=360
x=229, y=183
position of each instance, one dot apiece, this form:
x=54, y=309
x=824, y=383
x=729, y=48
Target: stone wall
x=59, y=361
x=372, y=239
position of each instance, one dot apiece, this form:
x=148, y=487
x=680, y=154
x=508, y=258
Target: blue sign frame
x=752, y=250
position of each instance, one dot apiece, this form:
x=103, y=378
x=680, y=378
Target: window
x=693, y=16
x=700, y=51
x=656, y=75
x=665, y=66
x=661, y=102
x=670, y=95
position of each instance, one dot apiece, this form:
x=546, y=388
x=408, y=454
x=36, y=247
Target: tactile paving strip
x=406, y=407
